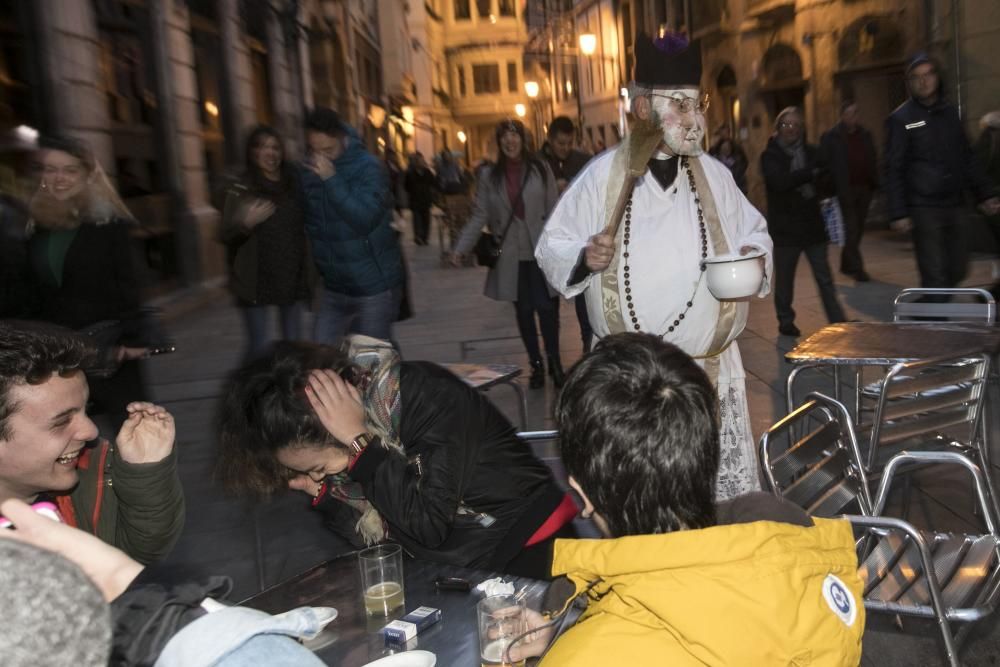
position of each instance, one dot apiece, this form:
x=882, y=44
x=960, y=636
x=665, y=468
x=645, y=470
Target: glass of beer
x=501, y=619
x=382, y=578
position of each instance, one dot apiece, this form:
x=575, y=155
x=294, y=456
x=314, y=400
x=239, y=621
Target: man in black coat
x=420, y=183
x=929, y=165
x=850, y=152
x=791, y=169
x=566, y=162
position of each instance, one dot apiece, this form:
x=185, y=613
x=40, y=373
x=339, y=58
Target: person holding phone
x=391, y=449
x=127, y=493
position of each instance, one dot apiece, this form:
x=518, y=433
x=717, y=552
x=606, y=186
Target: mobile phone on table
x=44, y=508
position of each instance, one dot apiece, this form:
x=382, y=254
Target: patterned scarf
x=376, y=365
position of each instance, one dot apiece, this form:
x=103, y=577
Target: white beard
x=679, y=138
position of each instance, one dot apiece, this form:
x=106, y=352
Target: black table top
x=353, y=639
x=886, y=343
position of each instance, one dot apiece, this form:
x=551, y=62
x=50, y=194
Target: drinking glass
x=382, y=578
x=501, y=619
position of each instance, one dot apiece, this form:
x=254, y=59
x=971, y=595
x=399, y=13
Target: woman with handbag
x=263, y=228
x=81, y=270
x=513, y=199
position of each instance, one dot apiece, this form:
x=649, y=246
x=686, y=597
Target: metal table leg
x=522, y=403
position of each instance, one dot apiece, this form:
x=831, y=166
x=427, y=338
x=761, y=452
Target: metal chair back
x=910, y=305
x=929, y=404
x=811, y=458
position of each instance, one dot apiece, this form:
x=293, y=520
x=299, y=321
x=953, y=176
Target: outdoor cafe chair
x=953, y=578
x=910, y=305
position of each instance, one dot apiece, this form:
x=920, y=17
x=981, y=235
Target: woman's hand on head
x=337, y=404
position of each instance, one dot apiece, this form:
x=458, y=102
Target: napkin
x=495, y=586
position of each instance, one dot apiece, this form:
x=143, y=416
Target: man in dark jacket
x=128, y=494
x=791, y=170
x=850, y=152
x=566, y=162
x=420, y=183
x=348, y=220
x=929, y=165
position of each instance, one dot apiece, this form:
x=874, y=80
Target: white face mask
x=682, y=132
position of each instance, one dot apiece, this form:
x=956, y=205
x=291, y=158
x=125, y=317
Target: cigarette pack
x=408, y=627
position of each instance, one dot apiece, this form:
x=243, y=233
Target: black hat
x=670, y=61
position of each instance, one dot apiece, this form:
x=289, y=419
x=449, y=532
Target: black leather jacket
x=467, y=492
x=928, y=159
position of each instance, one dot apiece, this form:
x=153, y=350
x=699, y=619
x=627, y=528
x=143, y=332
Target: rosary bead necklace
x=625, y=254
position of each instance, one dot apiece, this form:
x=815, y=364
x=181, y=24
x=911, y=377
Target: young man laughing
x=127, y=493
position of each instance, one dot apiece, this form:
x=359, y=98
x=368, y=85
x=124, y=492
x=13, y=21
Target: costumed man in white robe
x=649, y=277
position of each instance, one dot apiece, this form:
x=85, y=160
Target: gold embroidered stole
x=726, y=327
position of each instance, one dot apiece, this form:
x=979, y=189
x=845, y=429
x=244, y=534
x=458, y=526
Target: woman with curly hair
x=392, y=450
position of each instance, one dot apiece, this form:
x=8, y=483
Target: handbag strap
x=513, y=204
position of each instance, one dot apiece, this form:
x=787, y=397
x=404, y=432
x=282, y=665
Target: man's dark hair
x=638, y=430
x=264, y=408
x=847, y=104
x=31, y=353
x=561, y=125
x=327, y=121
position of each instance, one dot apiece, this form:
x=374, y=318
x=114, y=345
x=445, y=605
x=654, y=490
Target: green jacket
x=138, y=508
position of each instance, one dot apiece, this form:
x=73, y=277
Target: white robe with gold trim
x=664, y=260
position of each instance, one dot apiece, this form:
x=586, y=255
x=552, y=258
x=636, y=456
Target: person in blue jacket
x=348, y=215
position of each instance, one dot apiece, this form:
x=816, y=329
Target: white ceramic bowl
x=734, y=276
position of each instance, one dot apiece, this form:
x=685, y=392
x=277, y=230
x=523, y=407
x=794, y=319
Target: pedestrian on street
x=263, y=227
x=82, y=275
x=392, y=450
x=648, y=276
x=988, y=154
x=420, y=182
x=513, y=199
x=929, y=166
x=849, y=151
x=349, y=225
x=792, y=173
x=566, y=162
x=728, y=151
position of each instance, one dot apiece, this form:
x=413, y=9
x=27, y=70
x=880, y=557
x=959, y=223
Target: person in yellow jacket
x=682, y=581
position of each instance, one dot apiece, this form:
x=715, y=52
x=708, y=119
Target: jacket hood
x=685, y=589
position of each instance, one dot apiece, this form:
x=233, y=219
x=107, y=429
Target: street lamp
x=461, y=136
x=520, y=110
x=588, y=44
x=465, y=146
x=531, y=89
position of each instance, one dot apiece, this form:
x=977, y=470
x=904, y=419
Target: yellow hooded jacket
x=761, y=593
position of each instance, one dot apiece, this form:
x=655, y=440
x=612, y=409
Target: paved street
x=223, y=535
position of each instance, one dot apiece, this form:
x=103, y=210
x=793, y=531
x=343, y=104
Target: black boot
x=587, y=343
x=537, y=379
x=556, y=371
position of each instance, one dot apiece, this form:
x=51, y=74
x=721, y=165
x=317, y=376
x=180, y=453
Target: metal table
x=485, y=376
x=353, y=639
x=859, y=344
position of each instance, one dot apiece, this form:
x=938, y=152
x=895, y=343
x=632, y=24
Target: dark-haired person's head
x=43, y=398
x=264, y=152
x=561, y=134
x=326, y=133
x=849, y=114
x=268, y=432
x=639, y=436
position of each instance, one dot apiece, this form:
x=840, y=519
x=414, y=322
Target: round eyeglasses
x=686, y=104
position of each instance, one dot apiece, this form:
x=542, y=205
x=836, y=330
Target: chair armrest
x=926, y=458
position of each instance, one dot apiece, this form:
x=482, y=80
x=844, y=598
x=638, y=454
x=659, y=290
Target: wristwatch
x=359, y=443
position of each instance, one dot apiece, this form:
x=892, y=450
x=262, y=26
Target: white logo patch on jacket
x=913, y=126
x=840, y=599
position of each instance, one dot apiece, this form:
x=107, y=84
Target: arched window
x=782, y=67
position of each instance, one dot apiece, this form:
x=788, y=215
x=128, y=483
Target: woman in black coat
x=263, y=227
x=791, y=170
x=80, y=265
x=390, y=450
